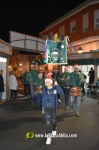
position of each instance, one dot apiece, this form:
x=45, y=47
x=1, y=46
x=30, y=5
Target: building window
x=85, y=22
x=73, y=26
x=96, y=19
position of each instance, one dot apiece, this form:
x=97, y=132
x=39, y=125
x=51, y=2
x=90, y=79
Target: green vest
x=75, y=80
x=82, y=76
x=64, y=75
x=32, y=75
x=40, y=82
x=25, y=81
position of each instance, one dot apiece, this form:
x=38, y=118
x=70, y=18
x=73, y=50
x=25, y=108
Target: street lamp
x=80, y=50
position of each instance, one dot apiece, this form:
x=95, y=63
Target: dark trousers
x=66, y=94
x=13, y=92
x=58, y=96
x=50, y=119
x=27, y=89
x=91, y=81
x=39, y=100
x=83, y=89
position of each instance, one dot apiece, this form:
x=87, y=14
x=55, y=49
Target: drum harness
x=76, y=79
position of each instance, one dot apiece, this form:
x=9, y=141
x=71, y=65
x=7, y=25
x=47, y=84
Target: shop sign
x=3, y=47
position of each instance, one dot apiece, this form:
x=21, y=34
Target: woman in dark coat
x=1, y=85
x=91, y=75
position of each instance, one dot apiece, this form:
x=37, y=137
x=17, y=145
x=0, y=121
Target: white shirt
x=13, y=82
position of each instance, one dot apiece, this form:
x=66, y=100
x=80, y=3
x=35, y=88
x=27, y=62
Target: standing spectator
x=1, y=86
x=26, y=84
x=13, y=85
x=91, y=75
x=32, y=77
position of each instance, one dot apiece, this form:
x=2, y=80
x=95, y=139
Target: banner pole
x=55, y=99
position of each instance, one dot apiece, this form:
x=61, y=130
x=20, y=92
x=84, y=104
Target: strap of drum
x=76, y=79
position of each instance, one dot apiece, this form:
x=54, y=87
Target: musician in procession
x=26, y=84
x=83, y=84
x=64, y=83
x=50, y=102
x=48, y=73
x=38, y=87
x=76, y=79
x=55, y=74
x=32, y=78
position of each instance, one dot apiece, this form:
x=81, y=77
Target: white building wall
x=3, y=67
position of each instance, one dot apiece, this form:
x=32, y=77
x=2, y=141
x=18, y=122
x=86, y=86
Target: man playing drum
x=38, y=89
x=75, y=89
x=64, y=83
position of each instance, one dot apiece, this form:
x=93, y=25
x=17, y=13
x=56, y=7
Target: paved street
x=19, y=117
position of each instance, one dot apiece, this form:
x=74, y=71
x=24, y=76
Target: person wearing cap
x=26, y=84
x=39, y=86
x=64, y=82
x=48, y=73
x=75, y=82
x=32, y=77
x=50, y=103
x=55, y=76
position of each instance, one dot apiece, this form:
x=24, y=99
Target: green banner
x=56, y=52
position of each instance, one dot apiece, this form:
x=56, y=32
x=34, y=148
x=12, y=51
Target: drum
x=75, y=91
x=37, y=89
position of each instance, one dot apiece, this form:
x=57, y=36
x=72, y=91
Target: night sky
x=31, y=16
